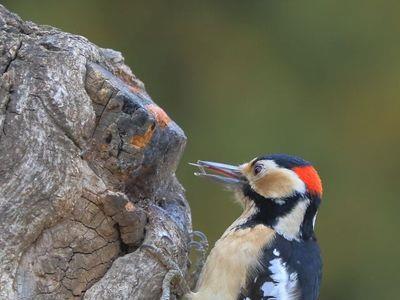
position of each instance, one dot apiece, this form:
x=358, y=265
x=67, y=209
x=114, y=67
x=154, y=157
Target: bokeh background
x=319, y=79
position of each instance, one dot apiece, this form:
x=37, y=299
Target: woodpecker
x=270, y=251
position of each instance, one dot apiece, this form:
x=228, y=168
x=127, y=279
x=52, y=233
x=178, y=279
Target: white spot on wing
x=284, y=284
x=269, y=289
x=276, y=252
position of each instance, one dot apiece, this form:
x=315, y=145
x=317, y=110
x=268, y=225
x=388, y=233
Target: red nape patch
x=311, y=178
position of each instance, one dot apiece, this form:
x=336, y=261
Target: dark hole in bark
x=108, y=138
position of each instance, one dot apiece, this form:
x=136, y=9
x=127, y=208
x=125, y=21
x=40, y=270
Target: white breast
x=225, y=271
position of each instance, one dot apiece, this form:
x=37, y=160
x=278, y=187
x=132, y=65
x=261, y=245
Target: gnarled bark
x=87, y=172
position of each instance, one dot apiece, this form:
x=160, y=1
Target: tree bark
x=87, y=172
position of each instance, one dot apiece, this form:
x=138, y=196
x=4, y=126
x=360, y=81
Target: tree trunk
x=87, y=172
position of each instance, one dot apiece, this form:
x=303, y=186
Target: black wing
x=289, y=270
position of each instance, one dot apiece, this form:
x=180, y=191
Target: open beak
x=229, y=175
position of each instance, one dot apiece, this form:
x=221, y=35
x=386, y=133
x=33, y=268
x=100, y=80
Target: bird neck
x=292, y=217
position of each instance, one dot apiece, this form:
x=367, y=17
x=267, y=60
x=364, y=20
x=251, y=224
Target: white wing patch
x=284, y=284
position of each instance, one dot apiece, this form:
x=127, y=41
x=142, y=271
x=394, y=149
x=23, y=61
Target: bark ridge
x=87, y=171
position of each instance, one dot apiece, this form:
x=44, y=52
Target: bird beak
x=229, y=175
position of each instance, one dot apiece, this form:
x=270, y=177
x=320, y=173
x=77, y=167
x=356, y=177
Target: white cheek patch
x=289, y=225
x=276, y=183
x=284, y=285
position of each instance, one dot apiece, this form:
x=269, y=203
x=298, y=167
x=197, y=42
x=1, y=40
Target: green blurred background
x=319, y=79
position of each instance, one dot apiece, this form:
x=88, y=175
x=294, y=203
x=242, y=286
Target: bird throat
x=291, y=217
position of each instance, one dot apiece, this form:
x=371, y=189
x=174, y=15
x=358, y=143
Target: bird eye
x=257, y=169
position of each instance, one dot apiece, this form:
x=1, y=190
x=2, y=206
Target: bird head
x=278, y=190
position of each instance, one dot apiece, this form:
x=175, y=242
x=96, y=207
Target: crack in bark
x=81, y=244
x=5, y=92
x=104, y=108
x=120, y=144
x=13, y=57
x=61, y=128
x=74, y=252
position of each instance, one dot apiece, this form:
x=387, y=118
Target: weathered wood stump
x=87, y=172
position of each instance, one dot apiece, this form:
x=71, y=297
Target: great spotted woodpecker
x=270, y=251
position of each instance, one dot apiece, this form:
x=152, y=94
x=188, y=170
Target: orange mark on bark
x=161, y=116
x=129, y=206
x=104, y=147
x=126, y=76
x=134, y=84
x=135, y=89
x=140, y=141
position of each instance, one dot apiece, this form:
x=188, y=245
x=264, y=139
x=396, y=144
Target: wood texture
x=87, y=172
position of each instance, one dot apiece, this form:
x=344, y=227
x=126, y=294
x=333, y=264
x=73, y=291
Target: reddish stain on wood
x=129, y=206
x=160, y=115
x=135, y=89
x=140, y=141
